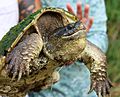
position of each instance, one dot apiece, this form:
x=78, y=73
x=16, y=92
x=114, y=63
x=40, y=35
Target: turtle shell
x=13, y=36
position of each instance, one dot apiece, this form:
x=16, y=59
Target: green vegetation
x=113, y=54
x=113, y=13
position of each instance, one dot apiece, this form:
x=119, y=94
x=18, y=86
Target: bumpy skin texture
x=95, y=59
x=18, y=61
x=52, y=37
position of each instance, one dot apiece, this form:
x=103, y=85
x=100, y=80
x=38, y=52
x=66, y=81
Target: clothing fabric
x=8, y=15
x=75, y=79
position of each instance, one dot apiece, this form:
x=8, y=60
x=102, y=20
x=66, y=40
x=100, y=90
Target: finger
x=69, y=7
x=90, y=23
x=79, y=10
x=86, y=11
x=84, y=20
x=37, y=5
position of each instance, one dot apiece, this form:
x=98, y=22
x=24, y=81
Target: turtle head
x=71, y=31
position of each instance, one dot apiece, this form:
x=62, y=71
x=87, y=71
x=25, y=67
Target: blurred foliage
x=114, y=60
x=113, y=7
x=113, y=13
x=113, y=54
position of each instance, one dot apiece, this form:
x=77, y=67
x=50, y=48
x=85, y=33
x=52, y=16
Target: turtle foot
x=102, y=87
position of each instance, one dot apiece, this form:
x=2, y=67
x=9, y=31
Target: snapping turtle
x=45, y=40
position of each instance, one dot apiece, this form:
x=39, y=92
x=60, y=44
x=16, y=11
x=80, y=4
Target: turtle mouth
x=71, y=31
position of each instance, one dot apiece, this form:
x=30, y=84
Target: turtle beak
x=71, y=31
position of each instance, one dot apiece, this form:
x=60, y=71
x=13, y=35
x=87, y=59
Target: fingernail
x=68, y=4
x=87, y=5
x=79, y=3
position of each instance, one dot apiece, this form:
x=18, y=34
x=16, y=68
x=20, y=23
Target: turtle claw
x=14, y=75
x=19, y=75
x=92, y=87
x=18, y=60
x=17, y=69
x=16, y=65
x=102, y=87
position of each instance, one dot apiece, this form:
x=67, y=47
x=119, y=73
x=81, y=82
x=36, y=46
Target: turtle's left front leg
x=96, y=60
x=19, y=59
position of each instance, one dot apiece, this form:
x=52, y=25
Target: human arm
x=98, y=35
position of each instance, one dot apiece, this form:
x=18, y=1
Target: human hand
x=38, y=5
x=88, y=21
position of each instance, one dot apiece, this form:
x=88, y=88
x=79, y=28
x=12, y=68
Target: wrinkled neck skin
x=70, y=50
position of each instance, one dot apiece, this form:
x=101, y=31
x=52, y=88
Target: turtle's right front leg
x=96, y=60
x=19, y=58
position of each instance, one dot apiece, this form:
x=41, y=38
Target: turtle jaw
x=79, y=31
x=78, y=34
x=71, y=31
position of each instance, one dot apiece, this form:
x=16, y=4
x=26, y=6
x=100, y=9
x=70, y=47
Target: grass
x=113, y=54
x=113, y=13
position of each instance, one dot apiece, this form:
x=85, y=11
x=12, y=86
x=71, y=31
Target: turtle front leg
x=96, y=60
x=18, y=60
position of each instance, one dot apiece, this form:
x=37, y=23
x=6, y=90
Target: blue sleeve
x=97, y=34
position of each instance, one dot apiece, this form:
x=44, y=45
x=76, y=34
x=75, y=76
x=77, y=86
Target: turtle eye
x=73, y=26
x=70, y=26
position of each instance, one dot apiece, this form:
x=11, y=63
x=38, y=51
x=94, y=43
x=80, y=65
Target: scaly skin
x=18, y=61
x=95, y=59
